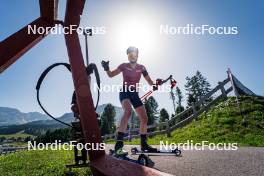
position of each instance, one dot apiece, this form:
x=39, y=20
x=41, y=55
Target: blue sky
x=179, y=55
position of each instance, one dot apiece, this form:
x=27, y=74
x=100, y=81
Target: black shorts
x=132, y=96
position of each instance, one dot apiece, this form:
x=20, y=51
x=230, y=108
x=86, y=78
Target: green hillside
x=224, y=123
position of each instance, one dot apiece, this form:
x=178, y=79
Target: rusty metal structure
x=13, y=47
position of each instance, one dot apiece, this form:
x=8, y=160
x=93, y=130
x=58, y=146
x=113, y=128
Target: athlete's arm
x=110, y=73
x=149, y=80
x=146, y=76
x=113, y=73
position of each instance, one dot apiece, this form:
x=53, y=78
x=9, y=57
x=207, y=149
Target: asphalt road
x=246, y=161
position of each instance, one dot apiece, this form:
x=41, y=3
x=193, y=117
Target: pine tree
x=173, y=97
x=197, y=86
x=179, y=96
x=108, y=120
x=151, y=107
x=164, y=115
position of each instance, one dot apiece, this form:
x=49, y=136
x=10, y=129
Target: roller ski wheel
x=145, y=161
x=177, y=152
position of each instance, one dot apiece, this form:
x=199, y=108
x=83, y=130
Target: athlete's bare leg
x=141, y=112
x=126, y=105
x=122, y=127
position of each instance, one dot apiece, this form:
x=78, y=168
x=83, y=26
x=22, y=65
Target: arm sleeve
x=144, y=71
x=121, y=67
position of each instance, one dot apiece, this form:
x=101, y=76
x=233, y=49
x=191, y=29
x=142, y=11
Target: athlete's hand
x=157, y=84
x=154, y=87
x=105, y=65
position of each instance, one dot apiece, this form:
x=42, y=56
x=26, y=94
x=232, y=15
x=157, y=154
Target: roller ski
x=123, y=155
x=150, y=151
x=155, y=152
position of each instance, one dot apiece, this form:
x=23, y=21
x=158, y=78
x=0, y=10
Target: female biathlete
x=128, y=96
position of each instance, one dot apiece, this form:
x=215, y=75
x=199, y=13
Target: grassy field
x=16, y=135
x=223, y=123
x=45, y=162
x=21, y=135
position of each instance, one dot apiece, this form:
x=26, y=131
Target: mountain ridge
x=12, y=116
x=12, y=120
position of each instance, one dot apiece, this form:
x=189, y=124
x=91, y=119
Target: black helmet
x=132, y=49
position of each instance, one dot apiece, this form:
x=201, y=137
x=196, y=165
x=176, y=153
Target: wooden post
x=233, y=85
x=194, y=110
x=168, y=128
x=222, y=89
x=105, y=137
x=129, y=135
x=161, y=127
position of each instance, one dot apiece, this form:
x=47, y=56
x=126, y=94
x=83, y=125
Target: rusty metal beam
x=88, y=119
x=20, y=42
x=109, y=166
x=48, y=9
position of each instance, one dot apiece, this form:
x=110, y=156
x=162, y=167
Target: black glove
x=105, y=65
x=154, y=87
x=158, y=83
